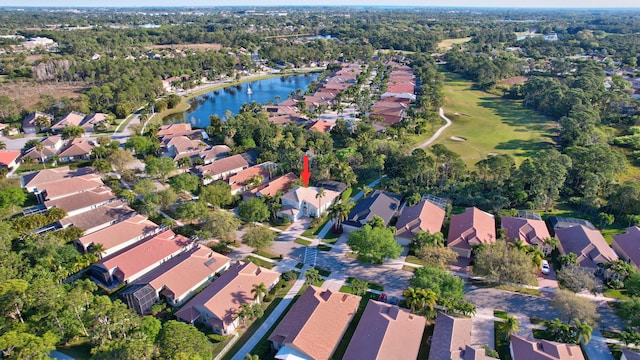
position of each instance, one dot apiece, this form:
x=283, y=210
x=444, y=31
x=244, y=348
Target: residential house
x=76, y=149
x=384, y=332
x=8, y=158
x=29, y=122
x=221, y=169
x=218, y=303
x=179, y=145
x=50, y=147
x=131, y=263
x=332, y=185
x=532, y=232
x=100, y=217
x=558, y=222
x=627, y=246
x=525, y=349
x=280, y=184
x=34, y=180
x=451, y=339
x=91, y=121
x=119, y=235
x=321, y=126
x=176, y=280
x=473, y=227
x=425, y=216
x=214, y=153
x=71, y=119
x=379, y=203
x=252, y=177
x=589, y=245
x=174, y=130
x=305, y=201
x=68, y=186
x=312, y=329
x=81, y=202
x=629, y=355
x=9, y=130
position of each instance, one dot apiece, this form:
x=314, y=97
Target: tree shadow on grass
x=516, y=115
x=528, y=148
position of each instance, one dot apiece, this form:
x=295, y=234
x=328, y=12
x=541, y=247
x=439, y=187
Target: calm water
x=231, y=98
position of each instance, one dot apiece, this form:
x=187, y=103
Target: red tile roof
x=321, y=126
x=8, y=156
x=590, y=246
x=224, y=165
x=241, y=179
x=629, y=243
x=82, y=200
x=525, y=349
x=76, y=147
x=424, y=216
x=39, y=178
x=173, y=129
x=282, y=184
x=316, y=322
x=73, y=185
x=532, y=232
x=384, y=332
x=473, y=227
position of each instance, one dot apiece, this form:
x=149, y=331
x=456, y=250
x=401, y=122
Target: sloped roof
x=215, y=152
x=384, y=332
x=316, y=322
x=38, y=155
x=224, y=297
x=71, y=119
x=223, y=165
x=8, y=156
x=473, y=227
x=51, y=141
x=71, y=185
x=532, y=232
x=101, y=215
x=424, y=216
x=321, y=126
x=142, y=255
x=308, y=194
x=174, y=129
x=241, y=179
x=29, y=120
x=94, y=119
x=630, y=355
x=120, y=233
x=590, y=246
x=379, y=203
x=81, y=200
x=282, y=184
x=450, y=337
x=629, y=242
x=76, y=147
x=525, y=349
x=184, y=144
x=42, y=177
x=185, y=271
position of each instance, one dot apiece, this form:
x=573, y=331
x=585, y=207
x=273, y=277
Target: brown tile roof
x=321, y=126
x=76, y=147
x=102, y=215
x=140, y=256
x=629, y=243
x=119, y=233
x=316, y=322
x=68, y=186
x=39, y=155
x=29, y=120
x=450, y=337
x=224, y=297
x=94, y=119
x=215, y=152
x=39, y=178
x=242, y=178
x=51, y=141
x=185, y=271
x=8, y=156
x=384, y=332
x=401, y=88
x=173, y=129
x=473, y=227
x=590, y=246
x=223, y=165
x=71, y=119
x=532, y=232
x=78, y=201
x=424, y=216
x=524, y=349
x=282, y=184
x=184, y=144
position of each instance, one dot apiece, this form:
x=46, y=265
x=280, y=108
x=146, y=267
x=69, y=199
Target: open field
x=486, y=124
x=447, y=44
x=198, y=47
x=28, y=94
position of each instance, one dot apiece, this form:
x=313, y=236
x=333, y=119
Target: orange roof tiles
x=384, y=332
x=242, y=178
x=321, y=126
x=282, y=184
x=424, y=216
x=473, y=227
x=173, y=129
x=316, y=322
x=8, y=156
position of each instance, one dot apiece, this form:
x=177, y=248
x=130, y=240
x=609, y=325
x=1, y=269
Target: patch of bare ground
x=28, y=94
x=515, y=80
x=458, y=138
x=215, y=47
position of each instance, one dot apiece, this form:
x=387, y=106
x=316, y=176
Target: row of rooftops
x=399, y=94
x=88, y=122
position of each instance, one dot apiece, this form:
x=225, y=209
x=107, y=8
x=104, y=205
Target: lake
x=231, y=98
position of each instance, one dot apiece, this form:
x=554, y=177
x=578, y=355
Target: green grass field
x=490, y=124
x=447, y=44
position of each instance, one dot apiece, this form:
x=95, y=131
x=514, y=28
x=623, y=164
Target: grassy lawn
x=302, y=242
x=521, y=290
x=447, y=44
x=323, y=272
x=372, y=285
x=346, y=338
x=323, y=247
x=490, y=124
x=408, y=268
x=331, y=237
x=266, y=253
x=414, y=260
x=616, y=294
x=314, y=231
x=260, y=262
x=500, y=314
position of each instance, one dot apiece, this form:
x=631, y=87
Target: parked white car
x=545, y=267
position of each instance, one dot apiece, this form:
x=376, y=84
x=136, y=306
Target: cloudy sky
x=472, y=3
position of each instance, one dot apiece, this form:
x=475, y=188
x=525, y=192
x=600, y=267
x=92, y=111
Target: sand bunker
x=458, y=138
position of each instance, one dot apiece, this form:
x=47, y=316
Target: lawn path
x=438, y=133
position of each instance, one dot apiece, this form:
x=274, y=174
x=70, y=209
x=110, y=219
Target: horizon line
x=390, y=7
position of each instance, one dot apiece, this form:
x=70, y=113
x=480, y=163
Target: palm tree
x=39, y=146
x=412, y=298
x=510, y=325
x=582, y=331
x=319, y=195
x=429, y=299
x=246, y=312
x=258, y=291
x=366, y=190
x=3, y=146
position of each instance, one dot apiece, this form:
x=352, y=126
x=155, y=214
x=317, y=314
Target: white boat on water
x=249, y=91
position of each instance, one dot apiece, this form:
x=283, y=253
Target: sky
x=448, y=3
